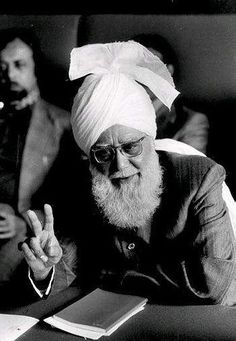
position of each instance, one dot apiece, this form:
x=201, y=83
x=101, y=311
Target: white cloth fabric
x=170, y=145
x=42, y=293
x=129, y=58
x=111, y=93
x=103, y=102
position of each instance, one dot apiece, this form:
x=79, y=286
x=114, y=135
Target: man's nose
x=11, y=73
x=121, y=160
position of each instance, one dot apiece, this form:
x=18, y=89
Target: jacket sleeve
x=210, y=267
x=61, y=276
x=65, y=270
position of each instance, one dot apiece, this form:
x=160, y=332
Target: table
x=155, y=322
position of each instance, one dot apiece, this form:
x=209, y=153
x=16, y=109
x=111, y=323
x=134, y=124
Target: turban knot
x=112, y=92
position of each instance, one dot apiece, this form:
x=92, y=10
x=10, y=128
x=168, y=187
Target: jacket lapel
x=40, y=150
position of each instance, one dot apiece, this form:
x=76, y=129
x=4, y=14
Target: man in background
x=180, y=123
x=31, y=131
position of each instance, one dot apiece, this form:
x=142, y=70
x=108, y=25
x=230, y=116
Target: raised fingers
x=29, y=255
x=48, y=219
x=35, y=223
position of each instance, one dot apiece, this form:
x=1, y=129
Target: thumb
x=53, y=248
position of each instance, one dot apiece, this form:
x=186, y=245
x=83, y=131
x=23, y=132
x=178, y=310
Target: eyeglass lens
x=130, y=149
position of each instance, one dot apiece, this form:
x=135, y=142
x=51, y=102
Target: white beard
x=132, y=203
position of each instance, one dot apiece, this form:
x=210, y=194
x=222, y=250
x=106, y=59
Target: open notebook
x=99, y=313
x=13, y=326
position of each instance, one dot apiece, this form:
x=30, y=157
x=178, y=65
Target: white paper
x=12, y=326
x=73, y=330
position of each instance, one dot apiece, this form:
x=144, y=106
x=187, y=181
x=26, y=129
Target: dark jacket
x=30, y=141
x=190, y=257
x=26, y=156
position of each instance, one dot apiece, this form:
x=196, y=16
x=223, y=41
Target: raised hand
x=43, y=250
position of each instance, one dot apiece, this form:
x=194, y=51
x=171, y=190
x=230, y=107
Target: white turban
x=111, y=94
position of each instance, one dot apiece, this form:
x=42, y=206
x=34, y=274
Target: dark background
x=203, y=34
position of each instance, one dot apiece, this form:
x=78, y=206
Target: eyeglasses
x=106, y=154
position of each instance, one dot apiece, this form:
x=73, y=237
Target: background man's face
x=17, y=68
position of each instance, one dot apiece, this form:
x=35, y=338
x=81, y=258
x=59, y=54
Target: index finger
x=48, y=219
x=34, y=222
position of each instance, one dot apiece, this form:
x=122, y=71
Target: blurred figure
x=180, y=123
x=31, y=131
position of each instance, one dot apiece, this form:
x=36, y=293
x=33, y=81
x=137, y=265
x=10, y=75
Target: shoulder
x=194, y=115
x=56, y=114
x=188, y=113
x=177, y=158
x=194, y=169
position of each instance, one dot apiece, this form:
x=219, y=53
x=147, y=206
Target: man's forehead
x=119, y=134
x=16, y=50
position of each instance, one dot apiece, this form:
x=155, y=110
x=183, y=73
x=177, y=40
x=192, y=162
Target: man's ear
x=171, y=69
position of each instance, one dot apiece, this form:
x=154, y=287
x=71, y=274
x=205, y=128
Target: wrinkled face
x=123, y=168
x=126, y=189
x=17, y=68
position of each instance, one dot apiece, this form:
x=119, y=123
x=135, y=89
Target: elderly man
x=158, y=225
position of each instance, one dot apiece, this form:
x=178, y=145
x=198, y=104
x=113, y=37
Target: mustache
x=13, y=83
x=9, y=95
x=8, y=83
x=125, y=173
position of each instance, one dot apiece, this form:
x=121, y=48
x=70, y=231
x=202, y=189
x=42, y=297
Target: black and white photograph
x=118, y=171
